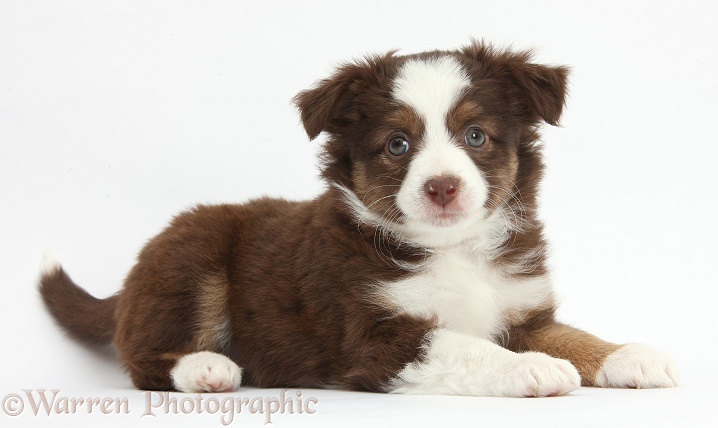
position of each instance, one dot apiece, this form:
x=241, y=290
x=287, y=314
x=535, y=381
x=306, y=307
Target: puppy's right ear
x=332, y=103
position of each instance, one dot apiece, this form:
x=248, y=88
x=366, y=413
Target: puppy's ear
x=325, y=102
x=332, y=102
x=541, y=88
x=544, y=88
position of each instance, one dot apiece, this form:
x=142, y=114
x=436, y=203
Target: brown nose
x=442, y=190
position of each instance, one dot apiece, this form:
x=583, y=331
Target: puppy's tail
x=86, y=319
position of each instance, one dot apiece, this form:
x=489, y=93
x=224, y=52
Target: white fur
x=50, y=265
x=637, y=366
x=460, y=287
x=206, y=372
x=431, y=86
x=460, y=364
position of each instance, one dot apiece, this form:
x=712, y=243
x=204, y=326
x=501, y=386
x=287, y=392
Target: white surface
x=116, y=115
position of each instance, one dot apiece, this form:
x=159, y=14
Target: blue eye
x=398, y=146
x=475, y=137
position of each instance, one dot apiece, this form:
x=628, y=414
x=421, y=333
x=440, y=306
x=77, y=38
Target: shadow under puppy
x=421, y=269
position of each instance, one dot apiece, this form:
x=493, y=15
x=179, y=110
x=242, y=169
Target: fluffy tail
x=85, y=318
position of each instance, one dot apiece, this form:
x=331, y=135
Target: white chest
x=465, y=294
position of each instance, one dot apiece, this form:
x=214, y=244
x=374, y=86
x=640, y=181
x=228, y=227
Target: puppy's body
x=421, y=269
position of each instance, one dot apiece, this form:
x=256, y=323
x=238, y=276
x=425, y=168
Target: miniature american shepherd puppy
x=421, y=269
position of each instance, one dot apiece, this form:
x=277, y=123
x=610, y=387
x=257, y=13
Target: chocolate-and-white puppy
x=420, y=270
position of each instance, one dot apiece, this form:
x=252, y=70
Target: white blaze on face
x=432, y=87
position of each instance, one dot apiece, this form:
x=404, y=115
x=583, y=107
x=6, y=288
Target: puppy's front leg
x=600, y=363
x=460, y=364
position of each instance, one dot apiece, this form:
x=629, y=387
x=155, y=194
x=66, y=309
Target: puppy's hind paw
x=206, y=372
x=637, y=366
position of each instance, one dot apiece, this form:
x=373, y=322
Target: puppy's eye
x=398, y=146
x=475, y=137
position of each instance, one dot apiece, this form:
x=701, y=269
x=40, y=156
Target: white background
x=114, y=116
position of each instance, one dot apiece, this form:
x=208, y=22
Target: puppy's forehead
x=431, y=86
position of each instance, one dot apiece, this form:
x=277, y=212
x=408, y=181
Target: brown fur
x=294, y=279
x=541, y=333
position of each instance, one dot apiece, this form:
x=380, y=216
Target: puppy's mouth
x=443, y=217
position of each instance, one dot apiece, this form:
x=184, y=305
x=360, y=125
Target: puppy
x=421, y=269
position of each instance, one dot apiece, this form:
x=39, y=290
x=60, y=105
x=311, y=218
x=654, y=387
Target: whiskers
x=390, y=219
x=385, y=218
x=509, y=203
x=518, y=218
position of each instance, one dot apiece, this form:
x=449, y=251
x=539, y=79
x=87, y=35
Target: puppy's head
x=434, y=145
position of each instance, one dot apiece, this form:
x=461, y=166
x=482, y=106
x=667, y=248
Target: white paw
x=637, y=366
x=206, y=372
x=457, y=363
x=533, y=374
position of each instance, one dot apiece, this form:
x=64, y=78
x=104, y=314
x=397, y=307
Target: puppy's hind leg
x=207, y=370
x=184, y=349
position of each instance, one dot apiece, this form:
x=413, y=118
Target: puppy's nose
x=442, y=190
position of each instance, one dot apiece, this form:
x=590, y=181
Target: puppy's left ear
x=541, y=88
x=332, y=103
x=544, y=88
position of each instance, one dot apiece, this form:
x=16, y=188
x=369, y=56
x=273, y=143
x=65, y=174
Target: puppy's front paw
x=533, y=374
x=637, y=366
x=206, y=372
